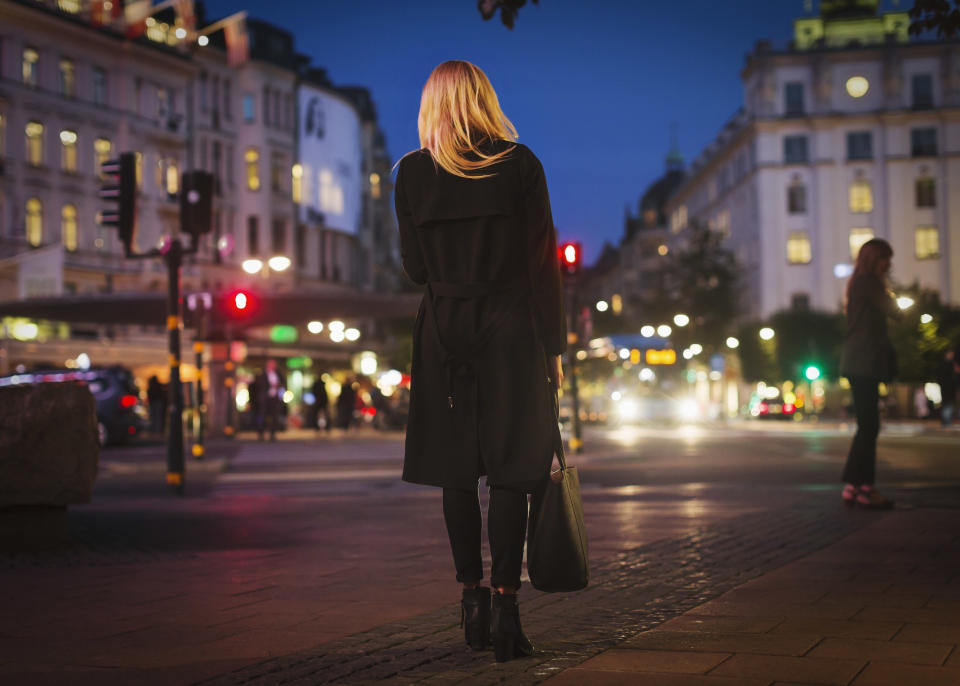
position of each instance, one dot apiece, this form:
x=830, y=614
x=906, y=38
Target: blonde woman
x=476, y=229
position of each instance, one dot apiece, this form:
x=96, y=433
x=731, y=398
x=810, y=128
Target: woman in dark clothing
x=476, y=228
x=868, y=358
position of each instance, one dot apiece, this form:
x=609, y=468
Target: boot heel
x=503, y=648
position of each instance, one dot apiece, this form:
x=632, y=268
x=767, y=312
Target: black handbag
x=557, y=558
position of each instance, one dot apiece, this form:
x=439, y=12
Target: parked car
x=120, y=413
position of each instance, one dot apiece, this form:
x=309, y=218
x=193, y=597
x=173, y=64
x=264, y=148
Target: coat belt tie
x=468, y=290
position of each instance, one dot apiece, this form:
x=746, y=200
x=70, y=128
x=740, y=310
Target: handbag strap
x=557, y=438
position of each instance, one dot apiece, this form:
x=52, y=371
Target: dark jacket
x=867, y=349
x=480, y=400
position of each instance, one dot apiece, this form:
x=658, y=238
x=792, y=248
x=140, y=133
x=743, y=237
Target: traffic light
x=196, y=203
x=241, y=304
x=812, y=372
x=570, y=258
x=121, y=188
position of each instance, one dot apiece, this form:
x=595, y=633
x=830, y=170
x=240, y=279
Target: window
x=926, y=192
x=276, y=173
x=793, y=97
x=99, y=86
x=202, y=146
x=859, y=145
x=227, y=100
x=798, y=247
x=230, y=160
x=253, y=235
x=921, y=86
x=163, y=104
x=202, y=88
x=215, y=95
x=266, y=106
x=300, y=249
x=68, y=151
x=857, y=238
x=216, y=154
x=34, y=132
x=68, y=78
x=172, y=185
x=252, y=159
x=34, y=228
x=138, y=164
x=249, y=108
x=69, y=6
x=923, y=142
x=800, y=301
x=68, y=227
x=31, y=59
x=796, y=198
x=331, y=194
x=795, y=150
x=297, y=183
x=375, y=194
x=927, y=242
x=278, y=237
x=861, y=196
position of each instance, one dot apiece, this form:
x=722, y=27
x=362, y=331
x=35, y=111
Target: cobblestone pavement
x=634, y=591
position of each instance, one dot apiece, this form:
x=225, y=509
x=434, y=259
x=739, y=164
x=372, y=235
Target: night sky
x=592, y=86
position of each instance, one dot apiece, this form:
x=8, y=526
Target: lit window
x=68, y=80
x=69, y=6
x=34, y=143
x=927, y=242
x=331, y=194
x=34, y=222
x=173, y=178
x=861, y=196
x=102, y=149
x=68, y=151
x=138, y=166
x=857, y=238
x=723, y=222
x=30, y=59
x=798, y=247
x=926, y=192
x=375, y=185
x=252, y=158
x=857, y=86
x=68, y=227
x=297, y=183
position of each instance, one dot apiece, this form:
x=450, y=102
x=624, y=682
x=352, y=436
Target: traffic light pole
x=200, y=410
x=576, y=438
x=230, y=382
x=175, y=462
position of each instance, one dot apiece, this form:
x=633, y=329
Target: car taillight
x=369, y=411
x=128, y=401
x=788, y=408
x=764, y=408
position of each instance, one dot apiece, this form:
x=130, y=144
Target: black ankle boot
x=508, y=639
x=475, y=616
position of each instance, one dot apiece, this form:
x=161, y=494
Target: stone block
x=49, y=449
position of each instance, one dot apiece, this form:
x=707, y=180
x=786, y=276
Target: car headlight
x=688, y=410
x=627, y=409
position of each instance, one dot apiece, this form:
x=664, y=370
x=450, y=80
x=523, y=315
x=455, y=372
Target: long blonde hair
x=459, y=110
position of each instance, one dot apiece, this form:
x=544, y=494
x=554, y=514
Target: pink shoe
x=849, y=495
x=869, y=499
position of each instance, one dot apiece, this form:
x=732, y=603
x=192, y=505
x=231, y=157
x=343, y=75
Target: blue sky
x=592, y=86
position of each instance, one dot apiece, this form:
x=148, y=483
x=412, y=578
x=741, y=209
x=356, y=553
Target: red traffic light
x=570, y=256
x=240, y=301
x=241, y=304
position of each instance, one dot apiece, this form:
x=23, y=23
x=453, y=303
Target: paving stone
x=580, y=677
x=830, y=671
x=893, y=674
x=655, y=660
x=762, y=644
x=840, y=628
x=746, y=625
x=888, y=651
x=929, y=633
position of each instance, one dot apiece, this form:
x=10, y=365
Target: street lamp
x=696, y=348
x=926, y=318
x=315, y=327
x=279, y=263
x=681, y=319
x=252, y=266
x=647, y=331
x=664, y=330
x=904, y=302
x=352, y=334
x=732, y=342
x=602, y=306
x=766, y=333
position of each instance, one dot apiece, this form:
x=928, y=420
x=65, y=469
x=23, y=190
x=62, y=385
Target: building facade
x=853, y=132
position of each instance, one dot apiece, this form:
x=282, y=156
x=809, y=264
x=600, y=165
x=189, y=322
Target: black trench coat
x=867, y=349
x=481, y=401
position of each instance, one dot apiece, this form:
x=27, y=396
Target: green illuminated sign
x=283, y=333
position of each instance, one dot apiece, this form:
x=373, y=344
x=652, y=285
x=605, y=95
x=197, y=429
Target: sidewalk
x=879, y=608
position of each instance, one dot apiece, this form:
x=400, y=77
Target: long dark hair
x=871, y=254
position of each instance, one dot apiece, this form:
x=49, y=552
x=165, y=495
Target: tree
x=508, y=9
x=935, y=15
x=920, y=344
x=702, y=280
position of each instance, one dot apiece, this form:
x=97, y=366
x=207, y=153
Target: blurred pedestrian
x=947, y=378
x=476, y=229
x=868, y=359
x=156, y=404
x=346, y=404
x=920, y=403
x=321, y=404
x=268, y=393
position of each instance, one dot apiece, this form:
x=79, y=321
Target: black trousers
x=862, y=459
x=506, y=529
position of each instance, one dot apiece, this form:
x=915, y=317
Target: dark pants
x=862, y=459
x=506, y=529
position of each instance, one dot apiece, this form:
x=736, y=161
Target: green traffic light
x=812, y=373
